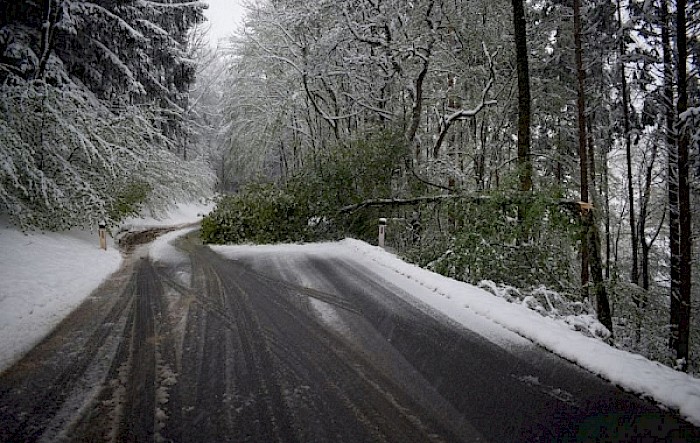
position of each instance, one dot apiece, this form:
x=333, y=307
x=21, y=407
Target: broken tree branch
x=573, y=206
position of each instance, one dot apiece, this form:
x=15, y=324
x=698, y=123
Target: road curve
x=270, y=348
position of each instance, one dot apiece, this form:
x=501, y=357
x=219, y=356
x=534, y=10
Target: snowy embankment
x=45, y=276
x=463, y=302
x=630, y=371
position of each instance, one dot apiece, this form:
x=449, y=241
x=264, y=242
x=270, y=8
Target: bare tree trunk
x=672, y=174
x=643, y=213
x=606, y=190
x=593, y=191
x=417, y=109
x=685, y=240
x=583, y=157
x=590, y=245
x=601, y=294
x=634, y=275
x=524, y=100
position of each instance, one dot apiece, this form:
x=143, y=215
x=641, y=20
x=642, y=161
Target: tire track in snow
x=30, y=404
x=331, y=387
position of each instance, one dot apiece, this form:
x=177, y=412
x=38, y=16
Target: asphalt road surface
x=267, y=348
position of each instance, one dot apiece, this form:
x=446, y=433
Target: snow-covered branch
x=447, y=121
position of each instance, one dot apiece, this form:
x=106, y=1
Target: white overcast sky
x=225, y=16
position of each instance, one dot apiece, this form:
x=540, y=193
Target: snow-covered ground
x=463, y=302
x=45, y=276
x=181, y=214
x=163, y=251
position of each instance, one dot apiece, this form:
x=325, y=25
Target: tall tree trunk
x=417, y=109
x=590, y=246
x=672, y=174
x=601, y=293
x=593, y=191
x=643, y=214
x=583, y=157
x=524, y=100
x=685, y=240
x=634, y=275
x=606, y=190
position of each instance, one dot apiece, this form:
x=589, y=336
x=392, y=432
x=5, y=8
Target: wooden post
x=103, y=235
x=382, y=229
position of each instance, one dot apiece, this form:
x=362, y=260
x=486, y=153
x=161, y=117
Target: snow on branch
x=194, y=4
x=462, y=114
x=572, y=206
x=87, y=9
x=398, y=202
x=117, y=62
x=273, y=56
x=155, y=29
x=370, y=41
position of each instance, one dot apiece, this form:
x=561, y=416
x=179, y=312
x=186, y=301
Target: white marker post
x=103, y=235
x=382, y=229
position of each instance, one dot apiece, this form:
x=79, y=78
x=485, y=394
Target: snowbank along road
x=304, y=347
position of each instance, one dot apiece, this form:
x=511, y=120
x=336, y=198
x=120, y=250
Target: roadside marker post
x=103, y=235
x=382, y=229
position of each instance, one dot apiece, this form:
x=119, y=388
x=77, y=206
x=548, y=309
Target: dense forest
x=546, y=151
x=95, y=109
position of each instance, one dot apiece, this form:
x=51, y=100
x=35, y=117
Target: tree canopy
x=92, y=96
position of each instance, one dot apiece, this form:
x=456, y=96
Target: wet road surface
x=301, y=348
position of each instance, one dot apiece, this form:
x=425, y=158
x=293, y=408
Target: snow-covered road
x=333, y=342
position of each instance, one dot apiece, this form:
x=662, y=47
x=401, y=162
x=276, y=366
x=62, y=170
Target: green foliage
x=518, y=240
x=370, y=169
x=306, y=208
x=363, y=170
x=258, y=214
x=129, y=201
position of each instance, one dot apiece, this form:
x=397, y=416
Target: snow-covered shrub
x=578, y=315
x=129, y=200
